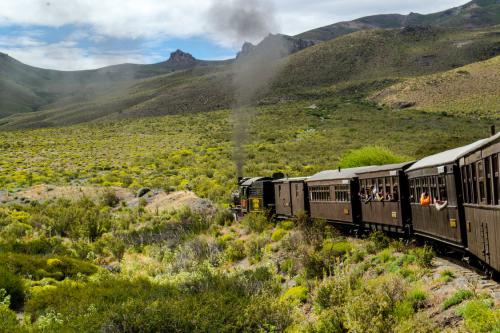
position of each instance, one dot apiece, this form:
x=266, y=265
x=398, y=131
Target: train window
x=443, y=195
x=320, y=193
x=279, y=191
x=473, y=184
x=418, y=189
x=342, y=193
x=488, y=180
x=296, y=190
x=412, y=190
x=433, y=187
x=481, y=182
x=496, y=179
x=394, y=189
x=465, y=183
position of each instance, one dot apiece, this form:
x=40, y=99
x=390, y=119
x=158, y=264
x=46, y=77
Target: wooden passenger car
x=256, y=194
x=384, y=197
x=480, y=171
x=439, y=176
x=290, y=196
x=333, y=196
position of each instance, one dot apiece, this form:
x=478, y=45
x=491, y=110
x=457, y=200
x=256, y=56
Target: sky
x=87, y=34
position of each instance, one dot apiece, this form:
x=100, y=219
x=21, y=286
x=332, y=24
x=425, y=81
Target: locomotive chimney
x=239, y=179
x=493, y=130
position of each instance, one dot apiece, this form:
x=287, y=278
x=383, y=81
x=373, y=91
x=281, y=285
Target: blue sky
x=85, y=34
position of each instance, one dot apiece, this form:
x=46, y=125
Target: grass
x=472, y=91
x=457, y=298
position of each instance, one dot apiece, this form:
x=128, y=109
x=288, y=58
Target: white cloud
x=167, y=18
x=153, y=21
x=67, y=56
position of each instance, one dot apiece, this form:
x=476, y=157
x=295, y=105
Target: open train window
x=473, y=184
x=465, y=183
x=443, y=195
x=489, y=180
x=395, y=189
x=418, y=188
x=496, y=179
x=481, y=191
x=412, y=190
x=433, y=187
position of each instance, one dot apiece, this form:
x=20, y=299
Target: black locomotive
x=451, y=198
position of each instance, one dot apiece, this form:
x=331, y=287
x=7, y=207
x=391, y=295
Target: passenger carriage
x=290, y=197
x=439, y=176
x=384, y=195
x=334, y=196
x=480, y=172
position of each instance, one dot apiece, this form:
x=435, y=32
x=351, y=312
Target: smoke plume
x=254, y=68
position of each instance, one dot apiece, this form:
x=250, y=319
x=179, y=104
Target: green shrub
x=295, y=295
x=480, y=316
x=224, y=217
x=385, y=255
x=380, y=240
x=371, y=308
x=110, y=199
x=254, y=248
x=8, y=319
x=424, y=256
x=419, y=323
x=287, y=225
x=370, y=155
x=38, y=268
x=278, y=234
x=447, y=275
x=256, y=222
x=336, y=248
x=417, y=297
x=13, y=286
x=235, y=251
x=329, y=321
x=457, y=298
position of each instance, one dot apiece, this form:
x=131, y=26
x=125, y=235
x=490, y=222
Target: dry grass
x=472, y=90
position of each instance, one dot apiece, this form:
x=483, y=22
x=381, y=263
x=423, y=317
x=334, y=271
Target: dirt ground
x=157, y=201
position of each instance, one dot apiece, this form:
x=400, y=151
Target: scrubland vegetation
x=182, y=271
x=195, y=151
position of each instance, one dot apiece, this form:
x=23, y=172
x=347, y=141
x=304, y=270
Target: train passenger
x=425, y=199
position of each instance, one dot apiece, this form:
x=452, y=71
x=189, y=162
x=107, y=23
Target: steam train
x=451, y=198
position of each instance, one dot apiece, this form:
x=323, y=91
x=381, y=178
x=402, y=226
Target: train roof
x=250, y=181
x=386, y=167
x=338, y=174
x=291, y=179
x=450, y=156
x=491, y=140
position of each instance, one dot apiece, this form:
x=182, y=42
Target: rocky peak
x=283, y=44
x=181, y=57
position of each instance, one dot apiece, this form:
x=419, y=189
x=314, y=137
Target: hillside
x=475, y=14
x=26, y=89
x=472, y=90
x=387, y=54
x=376, y=55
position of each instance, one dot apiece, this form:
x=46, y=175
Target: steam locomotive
x=451, y=198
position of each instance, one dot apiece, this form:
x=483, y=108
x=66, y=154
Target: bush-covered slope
x=472, y=90
x=477, y=13
x=362, y=56
x=381, y=54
